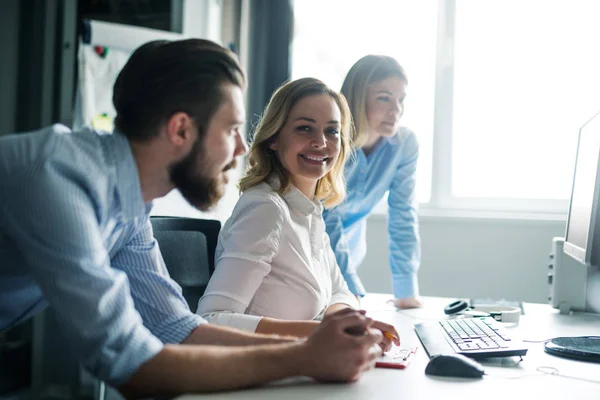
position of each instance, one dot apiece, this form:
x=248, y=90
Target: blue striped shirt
x=390, y=167
x=75, y=234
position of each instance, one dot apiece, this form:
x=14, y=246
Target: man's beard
x=190, y=177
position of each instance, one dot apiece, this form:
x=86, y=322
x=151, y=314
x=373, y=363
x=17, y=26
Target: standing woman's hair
x=365, y=72
x=263, y=163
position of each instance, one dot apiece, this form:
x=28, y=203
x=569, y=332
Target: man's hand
x=342, y=347
x=409, y=302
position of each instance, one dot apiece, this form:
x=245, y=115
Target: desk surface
x=506, y=377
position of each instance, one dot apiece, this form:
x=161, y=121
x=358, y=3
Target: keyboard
x=479, y=337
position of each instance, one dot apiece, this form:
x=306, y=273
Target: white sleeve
x=231, y=319
x=249, y=241
x=339, y=290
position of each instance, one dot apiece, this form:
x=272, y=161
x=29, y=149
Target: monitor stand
x=566, y=279
x=592, y=293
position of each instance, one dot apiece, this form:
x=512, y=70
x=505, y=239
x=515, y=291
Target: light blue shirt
x=391, y=166
x=75, y=234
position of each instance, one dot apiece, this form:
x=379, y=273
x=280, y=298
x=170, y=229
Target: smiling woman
x=275, y=269
x=308, y=145
x=292, y=113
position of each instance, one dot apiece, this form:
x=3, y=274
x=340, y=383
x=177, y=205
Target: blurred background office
x=497, y=92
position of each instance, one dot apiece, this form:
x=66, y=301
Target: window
x=497, y=90
x=525, y=80
x=331, y=35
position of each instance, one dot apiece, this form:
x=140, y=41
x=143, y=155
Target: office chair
x=188, y=248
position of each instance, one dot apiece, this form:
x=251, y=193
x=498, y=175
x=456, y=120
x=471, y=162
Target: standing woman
x=385, y=161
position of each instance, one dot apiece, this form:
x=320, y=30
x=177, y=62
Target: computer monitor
x=582, y=225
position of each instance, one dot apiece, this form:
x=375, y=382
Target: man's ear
x=180, y=130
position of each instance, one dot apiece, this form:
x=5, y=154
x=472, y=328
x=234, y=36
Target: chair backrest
x=188, y=248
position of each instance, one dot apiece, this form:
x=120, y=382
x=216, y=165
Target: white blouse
x=273, y=259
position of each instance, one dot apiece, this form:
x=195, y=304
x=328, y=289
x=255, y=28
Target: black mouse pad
x=585, y=348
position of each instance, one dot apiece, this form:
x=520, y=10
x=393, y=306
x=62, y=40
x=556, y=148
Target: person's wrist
x=278, y=339
x=301, y=358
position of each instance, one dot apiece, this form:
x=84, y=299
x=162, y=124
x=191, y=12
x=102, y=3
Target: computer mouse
x=455, y=365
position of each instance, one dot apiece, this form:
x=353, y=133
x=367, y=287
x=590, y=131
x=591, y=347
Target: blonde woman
x=385, y=162
x=275, y=269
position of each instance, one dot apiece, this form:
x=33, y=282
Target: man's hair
x=164, y=77
x=264, y=165
x=365, y=72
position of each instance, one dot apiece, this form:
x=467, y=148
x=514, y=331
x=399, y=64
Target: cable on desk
x=537, y=341
x=545, y=371
x=554, y=371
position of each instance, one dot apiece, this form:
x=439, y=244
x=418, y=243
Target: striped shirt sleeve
x=157, y=297
x=55, y=224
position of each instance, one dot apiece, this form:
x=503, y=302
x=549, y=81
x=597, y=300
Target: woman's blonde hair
x=264, y=165
x=365, y=72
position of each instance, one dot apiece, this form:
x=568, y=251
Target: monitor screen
x=584, y=196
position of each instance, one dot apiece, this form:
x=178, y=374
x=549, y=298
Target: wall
x=9, y=43
x=471, y=257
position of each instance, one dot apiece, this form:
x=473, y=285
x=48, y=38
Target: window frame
x=441, y=197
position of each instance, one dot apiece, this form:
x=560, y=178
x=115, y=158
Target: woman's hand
x=409, y=302
x=390, y=335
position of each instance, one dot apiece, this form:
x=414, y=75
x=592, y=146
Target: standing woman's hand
x=409, y=302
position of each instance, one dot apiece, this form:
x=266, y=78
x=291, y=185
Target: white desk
x=506, y=377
